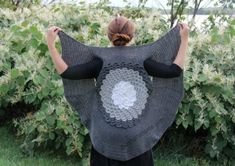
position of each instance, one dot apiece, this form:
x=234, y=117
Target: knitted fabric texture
x=125, y=110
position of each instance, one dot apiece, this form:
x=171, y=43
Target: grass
x=11, y=155
x=180, y=160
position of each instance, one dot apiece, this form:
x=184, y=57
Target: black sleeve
x=158, y=69
x=83, y=71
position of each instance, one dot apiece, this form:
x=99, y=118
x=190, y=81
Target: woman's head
x=120, y=31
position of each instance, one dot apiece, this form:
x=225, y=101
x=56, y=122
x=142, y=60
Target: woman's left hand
x=184, y=31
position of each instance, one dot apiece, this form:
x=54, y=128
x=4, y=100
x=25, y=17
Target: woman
x=120, y=33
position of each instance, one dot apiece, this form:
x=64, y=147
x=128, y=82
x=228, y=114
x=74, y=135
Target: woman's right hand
x=184, y=31
x=51, y=35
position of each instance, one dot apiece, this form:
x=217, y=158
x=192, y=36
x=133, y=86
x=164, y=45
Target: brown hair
x=120, y=31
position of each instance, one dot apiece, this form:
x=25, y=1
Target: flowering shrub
x=209, y=101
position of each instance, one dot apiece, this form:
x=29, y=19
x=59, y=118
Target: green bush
x=54, y=123
x=209, y=101
x=29, y=76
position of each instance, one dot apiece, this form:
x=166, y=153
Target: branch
x=163, y=7
x=196, y=7
x=172, y=12
x=51, y=2
x=174, y=15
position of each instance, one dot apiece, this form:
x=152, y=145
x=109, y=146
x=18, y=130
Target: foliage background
x=31, y=91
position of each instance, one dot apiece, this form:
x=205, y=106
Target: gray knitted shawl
x=125, y=110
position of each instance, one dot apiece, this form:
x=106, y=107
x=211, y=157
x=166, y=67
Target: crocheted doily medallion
x=124, y=90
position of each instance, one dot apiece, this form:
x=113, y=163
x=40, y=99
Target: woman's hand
x=60, y=64
x=184, y=31
x=51, y=35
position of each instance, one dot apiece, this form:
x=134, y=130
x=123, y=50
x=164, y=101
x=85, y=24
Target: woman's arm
x=180, y=58
x=158, y=69
x=75, y=72
x=59, y=63
x=83, y=71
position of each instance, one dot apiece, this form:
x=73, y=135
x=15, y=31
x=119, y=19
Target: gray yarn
x=122, y=128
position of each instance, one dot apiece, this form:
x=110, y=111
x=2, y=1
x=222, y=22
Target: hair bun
x=119, y=36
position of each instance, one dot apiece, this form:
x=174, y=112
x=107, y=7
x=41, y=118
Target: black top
x=92, y=69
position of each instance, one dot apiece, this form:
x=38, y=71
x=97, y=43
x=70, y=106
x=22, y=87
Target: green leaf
x=220, y=142
x=214, y=131
x=14, y=73
x=197, y=124
x=40, y=116
x=45, y=91
x=83, y=131
x=60, y=91
x=68, y=141
x=206, y=123
x=34, y=43
x=30, y=98
x=39, y=80
x=25, y=23
x=52, y=136
x=35, y=32
x=51, y=120
x=233, y=22
x=43, y=48
x=20, y=80
x=185, y=124
x=202, y=77
x=4, y=88
x=24, y=33
x=60, y=124
x=15, y=28
x=44, y=73
x=69, y=150
x=59, y=111
x=69, y=129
